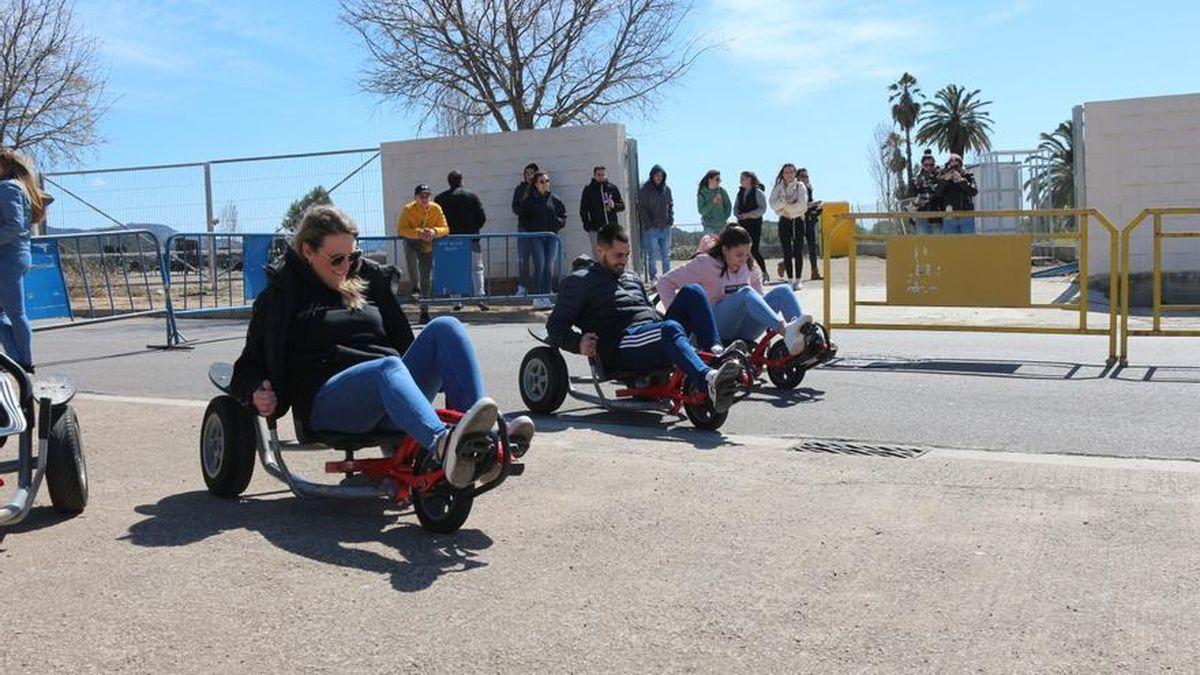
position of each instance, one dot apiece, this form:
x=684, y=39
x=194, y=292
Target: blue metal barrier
x=95, y=277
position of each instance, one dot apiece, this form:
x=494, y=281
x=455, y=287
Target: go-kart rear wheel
x=705, y=416
x=445, y=508
x=66, y=470
x=543, y=380
x=790, y=374
x=227, y=447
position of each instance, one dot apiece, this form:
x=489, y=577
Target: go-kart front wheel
x=705, y=416
x=227, y=447
x=790, y=374
x=543, y=380
x=443, y=509
x=66, y=470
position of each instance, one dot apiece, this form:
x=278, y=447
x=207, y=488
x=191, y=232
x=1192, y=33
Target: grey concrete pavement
x=641, y=555
x=1026, y=393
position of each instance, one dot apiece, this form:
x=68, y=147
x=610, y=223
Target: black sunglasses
x=337, y=259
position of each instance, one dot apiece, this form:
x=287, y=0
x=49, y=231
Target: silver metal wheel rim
x=214, y=445
x=536, y=379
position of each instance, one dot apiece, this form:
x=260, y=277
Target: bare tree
x=52, y=92
x=521, y=64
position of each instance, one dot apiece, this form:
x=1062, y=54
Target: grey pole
x=209, y=225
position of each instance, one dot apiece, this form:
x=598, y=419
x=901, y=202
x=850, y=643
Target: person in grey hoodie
x=656, y=214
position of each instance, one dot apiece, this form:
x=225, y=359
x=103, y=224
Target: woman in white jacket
x=789, y=200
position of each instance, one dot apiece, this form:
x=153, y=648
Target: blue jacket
x=14, y=212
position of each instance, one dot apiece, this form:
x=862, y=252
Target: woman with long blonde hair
x=22, y=205
x=329, y=339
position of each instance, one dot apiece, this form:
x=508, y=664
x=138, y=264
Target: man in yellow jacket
x=420, y=223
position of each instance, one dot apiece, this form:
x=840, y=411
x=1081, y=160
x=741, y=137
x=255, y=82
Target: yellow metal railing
x=1081, y=237
x=1157, y=305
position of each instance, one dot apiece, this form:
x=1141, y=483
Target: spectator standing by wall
x=789, y=200
x=524, y=247
x=712, y=201
x=749, y=208
x=656, y=214
x=956, y=192
x=464, y=215
x=543, y=212
x=924, y=191
x=811, y=216
x=599, y=204
x=22, y=205
x=420, y=223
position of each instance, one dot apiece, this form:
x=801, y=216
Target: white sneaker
x=521, y=291
x=793, y=336
x=467, y=442
x=722, y=384
x=542, y=303
x=520, y=432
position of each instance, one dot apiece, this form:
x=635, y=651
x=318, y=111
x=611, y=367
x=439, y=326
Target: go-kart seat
x=630, y=378
x=343, y=441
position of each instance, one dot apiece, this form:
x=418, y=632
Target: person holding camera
x=924, y=191
x=956, y=193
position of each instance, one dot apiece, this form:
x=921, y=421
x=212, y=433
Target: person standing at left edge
x=420, y=223
x=22, y=204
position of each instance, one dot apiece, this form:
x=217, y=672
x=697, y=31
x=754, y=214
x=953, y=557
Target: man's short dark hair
x=607, y=234
x=598, y=168
x=454, y=178
x=532, y=166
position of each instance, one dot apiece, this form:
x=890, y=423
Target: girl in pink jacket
x=726, y=272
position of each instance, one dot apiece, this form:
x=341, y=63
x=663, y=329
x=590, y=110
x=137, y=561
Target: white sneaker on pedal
x=466, y=443
x=520, y=432
x=793, y=333
x=722, y=385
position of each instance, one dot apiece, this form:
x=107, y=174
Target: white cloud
x=801, y=47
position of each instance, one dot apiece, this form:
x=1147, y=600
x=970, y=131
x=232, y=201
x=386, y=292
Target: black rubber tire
x=788, y=376
x=66, y=468
x=229, y=463
x=445, y=508
x=543, y=380
x=705, y=416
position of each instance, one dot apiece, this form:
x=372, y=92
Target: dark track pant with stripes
x=653, y=346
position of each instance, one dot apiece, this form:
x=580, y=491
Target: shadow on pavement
x=631, y=424
x=320, y=530
x=1161, y=374
x=39, y=518
x=1023, y=370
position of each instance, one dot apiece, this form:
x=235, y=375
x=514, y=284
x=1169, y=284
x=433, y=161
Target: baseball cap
x=421, y=188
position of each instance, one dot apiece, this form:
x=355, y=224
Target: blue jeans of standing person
x=957, y=225
x=661, y=344
x=396, y=394
x=923, y=226
x=745, y=315
x=16, y=334
x=657, y=242
x=543, y=262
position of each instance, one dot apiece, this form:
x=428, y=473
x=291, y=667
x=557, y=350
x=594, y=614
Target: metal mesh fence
x=246, y=195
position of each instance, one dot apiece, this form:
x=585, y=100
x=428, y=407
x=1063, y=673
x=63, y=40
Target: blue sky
x=796, y=80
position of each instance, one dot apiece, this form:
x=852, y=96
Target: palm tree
x=1052, y=185
x=956, y=121
x=906, y=108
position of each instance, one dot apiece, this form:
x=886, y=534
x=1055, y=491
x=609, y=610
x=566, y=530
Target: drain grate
x=861, y=449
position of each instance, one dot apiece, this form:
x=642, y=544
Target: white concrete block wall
x=491, y=165
x=1141, y=153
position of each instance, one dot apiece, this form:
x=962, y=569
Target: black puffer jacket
x=298, y=365
x=594, y=300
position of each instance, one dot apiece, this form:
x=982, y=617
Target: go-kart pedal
x=722, y=385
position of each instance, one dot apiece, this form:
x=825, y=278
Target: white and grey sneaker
x=520, y=435
x=467, y=443
x=520, y=291
x=722, y=385
x=794, y=334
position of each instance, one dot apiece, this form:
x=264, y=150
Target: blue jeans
x=523, y=261
x=543, y=253
x=657, y=242
x=16, y=334
x=745, y=315
x=396, y=394
x=958, y=225
x=924, y=226
x=661, y=344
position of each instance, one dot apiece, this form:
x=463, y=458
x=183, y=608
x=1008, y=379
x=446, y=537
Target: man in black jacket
x=603, y=312
x=524, y=248
x=599, y=204
x=464, y=214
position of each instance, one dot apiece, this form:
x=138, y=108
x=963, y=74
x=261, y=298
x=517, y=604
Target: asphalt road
x=1024, y=393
